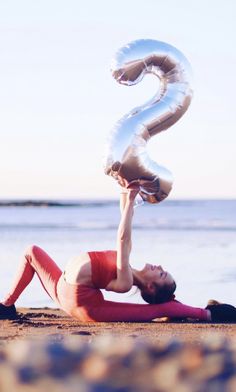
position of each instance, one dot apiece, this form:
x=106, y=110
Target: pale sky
x=58, y=100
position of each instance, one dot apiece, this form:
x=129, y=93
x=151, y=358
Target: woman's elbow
x=123, y=237
x=124, y=287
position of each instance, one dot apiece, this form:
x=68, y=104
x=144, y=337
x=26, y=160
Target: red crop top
x=103, y=265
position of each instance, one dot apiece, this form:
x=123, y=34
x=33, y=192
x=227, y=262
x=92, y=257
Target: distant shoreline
x=52, y=203
x=96, y=202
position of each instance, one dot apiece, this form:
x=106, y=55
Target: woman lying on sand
x=77, y=289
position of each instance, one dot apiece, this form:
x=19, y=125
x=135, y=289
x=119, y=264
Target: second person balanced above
x=77, y=290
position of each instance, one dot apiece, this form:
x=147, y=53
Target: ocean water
x=194, y=240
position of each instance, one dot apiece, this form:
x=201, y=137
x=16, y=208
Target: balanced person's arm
x=123, y=199
x=124, y=279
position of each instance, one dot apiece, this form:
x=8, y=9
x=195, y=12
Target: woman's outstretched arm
x=99, y=309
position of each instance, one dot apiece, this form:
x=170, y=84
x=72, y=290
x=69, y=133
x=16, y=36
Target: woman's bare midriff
x=78, y=270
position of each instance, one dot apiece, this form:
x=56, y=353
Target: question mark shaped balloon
x=127, y=156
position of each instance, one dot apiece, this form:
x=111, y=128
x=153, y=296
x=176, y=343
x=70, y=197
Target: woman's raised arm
x=124, y=280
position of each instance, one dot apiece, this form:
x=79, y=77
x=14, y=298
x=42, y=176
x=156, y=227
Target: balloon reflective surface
x=127, y=156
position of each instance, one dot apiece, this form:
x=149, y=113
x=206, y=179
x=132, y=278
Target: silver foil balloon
x=127, y=156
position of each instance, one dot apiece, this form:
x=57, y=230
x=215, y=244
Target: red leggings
x=86, y=303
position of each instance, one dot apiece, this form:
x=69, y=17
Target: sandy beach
x=36, y=322
x=45, y=348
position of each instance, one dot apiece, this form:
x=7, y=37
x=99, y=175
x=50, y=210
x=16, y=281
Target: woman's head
x=157, y=285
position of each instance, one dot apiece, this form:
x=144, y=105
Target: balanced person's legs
x=34, y=260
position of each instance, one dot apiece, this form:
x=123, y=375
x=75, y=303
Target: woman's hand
x=130, y=188
x=132, y=193
x=122, y=182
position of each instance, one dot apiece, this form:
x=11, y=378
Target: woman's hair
x=161, y=294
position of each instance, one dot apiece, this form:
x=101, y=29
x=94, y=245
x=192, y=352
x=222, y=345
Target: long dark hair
x=161, y=294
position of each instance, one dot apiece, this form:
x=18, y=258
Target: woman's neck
x=137, y=279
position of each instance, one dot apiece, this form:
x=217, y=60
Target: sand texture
x=47, y=350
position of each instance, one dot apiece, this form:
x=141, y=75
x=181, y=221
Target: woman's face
x=156, y=274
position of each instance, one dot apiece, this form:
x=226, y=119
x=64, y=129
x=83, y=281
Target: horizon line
x=78, y=201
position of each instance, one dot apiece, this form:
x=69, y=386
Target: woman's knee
x=32, y=250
